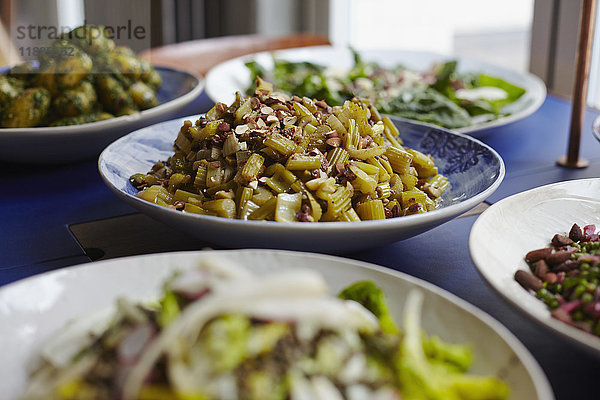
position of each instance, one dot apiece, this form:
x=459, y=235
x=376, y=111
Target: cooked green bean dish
x=270, y=157
x=84, y=77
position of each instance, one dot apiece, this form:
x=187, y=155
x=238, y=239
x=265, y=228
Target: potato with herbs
x=126, y=62
x=112, y=95
x=92, y=39
x=29, y=109
x=79, y=100
x=82, y=77
x=143, y=96
x=23, y=73
x=150, y=76
x=61, y=73
x=73, y=69
x=10, y=89
x=46, y=78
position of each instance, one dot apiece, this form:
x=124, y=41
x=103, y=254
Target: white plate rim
x=543, y=319
x=537, y=89
x=536, y=374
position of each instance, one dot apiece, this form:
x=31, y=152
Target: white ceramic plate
x=596, y=128
x=512, y=227
x=225, y=79
x=70, y=143
x=473, y=169
x=33, y=309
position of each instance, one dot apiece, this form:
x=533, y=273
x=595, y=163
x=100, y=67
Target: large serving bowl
x=526, y=221
x=473, y=169
x=77, y=142
x=33, y=310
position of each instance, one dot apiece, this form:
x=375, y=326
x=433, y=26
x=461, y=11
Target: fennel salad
x=219, y=332
x=441, y=95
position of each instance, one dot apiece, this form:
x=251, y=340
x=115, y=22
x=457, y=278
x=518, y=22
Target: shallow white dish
x=77, y=142
x=596, y=128
x=225, y=79
x=473, y=169
x=33, y=309
x=526, y=221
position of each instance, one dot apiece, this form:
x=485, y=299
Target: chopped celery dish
x=292, y=159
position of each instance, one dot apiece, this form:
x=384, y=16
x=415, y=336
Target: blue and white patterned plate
x=474, y=170
x=61, y=144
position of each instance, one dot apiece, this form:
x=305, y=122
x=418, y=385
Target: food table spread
x=62, y=215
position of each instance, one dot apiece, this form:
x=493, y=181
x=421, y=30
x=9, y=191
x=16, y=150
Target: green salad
x=440, y=96
x=219, y=332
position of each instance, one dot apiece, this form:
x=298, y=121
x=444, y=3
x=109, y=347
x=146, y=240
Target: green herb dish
x=463, y=95
x=440, y=95
x=85, y=77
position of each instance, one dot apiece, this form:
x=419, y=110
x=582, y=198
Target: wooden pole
x=582, y=72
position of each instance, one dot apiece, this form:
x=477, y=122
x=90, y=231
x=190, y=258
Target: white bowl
x=526, y=221
x=32, y=310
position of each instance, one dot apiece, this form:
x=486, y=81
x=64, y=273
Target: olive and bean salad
x=566, y=277
x=83, y=77
x=271, y=157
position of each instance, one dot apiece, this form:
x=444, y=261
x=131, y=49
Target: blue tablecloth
x=39, y=203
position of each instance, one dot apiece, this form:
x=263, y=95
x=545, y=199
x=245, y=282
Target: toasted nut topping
x=266, y=110
x=240, y=129
x=289, y=120
x=334, y=141
x=221, y=107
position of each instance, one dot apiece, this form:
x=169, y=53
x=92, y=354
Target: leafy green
x=427, y=105
x=225, y=341
x=427, y=367
x=454, y=356
x=257, y=70
x=513, y=91
x=444, y=74
x=432, y=99
x=422, y=379
x=372, y=298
